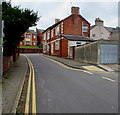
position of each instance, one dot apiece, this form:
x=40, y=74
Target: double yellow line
x=31, y=77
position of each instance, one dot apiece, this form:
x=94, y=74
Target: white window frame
x=48, y=48
x=57, y=44
x=84, y=28
x=48, y=35
x=44, y=35
x=27, y=35
x=34, y=36
x=52, y=32
x=57, y=30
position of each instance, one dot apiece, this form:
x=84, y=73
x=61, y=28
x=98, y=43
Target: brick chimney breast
x=57, y=20
x=75, y=10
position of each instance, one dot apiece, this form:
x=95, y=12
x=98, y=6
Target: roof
x=32, y=32
x=76, y=38
x=61, y=21
x=110, y=29
x=40, y=30
x=116, y=30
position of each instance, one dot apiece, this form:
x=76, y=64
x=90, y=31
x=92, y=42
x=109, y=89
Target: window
x=57, y=45
x=48, y=35
x=57, y=30
x=84, y=28
x=27, y=36
x=34, y=43
x=27, y=43
x=52, y=33
x=101, y=35
x=93, y=35
x=27, y=39
x=20, y=43
x=48, y=48
x=34, y=36
x=78, y=43
x=44, y=36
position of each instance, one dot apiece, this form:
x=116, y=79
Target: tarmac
x=12, y=84
x=13, y=80
x=85, y=66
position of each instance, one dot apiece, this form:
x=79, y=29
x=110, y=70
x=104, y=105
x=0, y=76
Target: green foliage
x=34, y=47
x=16, y=22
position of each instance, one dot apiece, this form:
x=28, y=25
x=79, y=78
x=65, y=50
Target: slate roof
x=76, y=38
x=110, y=29
x=32, y=32
x=40, y=30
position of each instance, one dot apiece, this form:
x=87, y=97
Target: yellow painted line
x=31, y=77
x=86, y=71
x=62, y=64
x=92, y=68
x=28, y=91
x=33, y=93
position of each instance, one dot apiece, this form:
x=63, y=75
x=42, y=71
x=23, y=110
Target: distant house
x=39, y=36
x=68, y=32
x=115, y=34
x=99, y=31
x=30, y=39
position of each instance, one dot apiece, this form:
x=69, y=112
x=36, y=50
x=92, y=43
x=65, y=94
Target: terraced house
x=74, y=30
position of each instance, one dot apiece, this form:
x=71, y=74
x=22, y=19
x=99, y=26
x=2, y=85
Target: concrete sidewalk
x=84, y=66
x=12, y=84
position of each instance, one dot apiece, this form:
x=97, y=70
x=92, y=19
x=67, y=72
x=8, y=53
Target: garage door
x=108, y=54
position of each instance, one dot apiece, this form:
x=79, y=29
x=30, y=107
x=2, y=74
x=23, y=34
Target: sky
x=48, y=10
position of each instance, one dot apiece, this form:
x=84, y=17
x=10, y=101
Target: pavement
x=84, y=66
x=12, y=84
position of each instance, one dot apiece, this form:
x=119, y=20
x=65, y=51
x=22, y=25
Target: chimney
x=75, y=10
x=57, y=20
x=99, y=22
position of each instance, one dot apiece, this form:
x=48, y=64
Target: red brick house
x=68, y=32
x=30, y=39
x=39, y=35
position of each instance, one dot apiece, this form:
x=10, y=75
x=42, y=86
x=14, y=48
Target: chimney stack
x=57, y=20
x=75, y=10
x=99, y=22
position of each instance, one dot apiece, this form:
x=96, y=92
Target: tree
x=16, y=22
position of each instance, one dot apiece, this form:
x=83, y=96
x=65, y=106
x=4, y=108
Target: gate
x=108, y=54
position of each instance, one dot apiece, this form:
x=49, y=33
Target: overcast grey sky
x=107, y=11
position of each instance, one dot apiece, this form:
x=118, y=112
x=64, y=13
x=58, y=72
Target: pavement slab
x=12, y=84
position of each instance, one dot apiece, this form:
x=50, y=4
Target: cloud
x=108, y=11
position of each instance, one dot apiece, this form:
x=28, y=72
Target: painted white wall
x=74, y=43
x=97, y=30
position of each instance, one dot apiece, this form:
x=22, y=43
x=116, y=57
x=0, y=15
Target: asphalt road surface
x=64, y=90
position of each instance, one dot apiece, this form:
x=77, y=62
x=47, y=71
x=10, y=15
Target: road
x=65, y=90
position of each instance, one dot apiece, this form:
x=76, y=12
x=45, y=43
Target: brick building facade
x=30, y=38
x=58, y=38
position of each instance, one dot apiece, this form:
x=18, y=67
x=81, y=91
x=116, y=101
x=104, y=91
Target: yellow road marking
x=31, y=77
x=87, y=70
x=92, y=68
x=28, y=91
x=33, y=93
x=62, y=64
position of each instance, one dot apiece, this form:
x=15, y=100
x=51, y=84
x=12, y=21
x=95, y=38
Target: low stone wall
x=91, y=53
x=29, y=50
x=7, y=62
x=87, y=53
